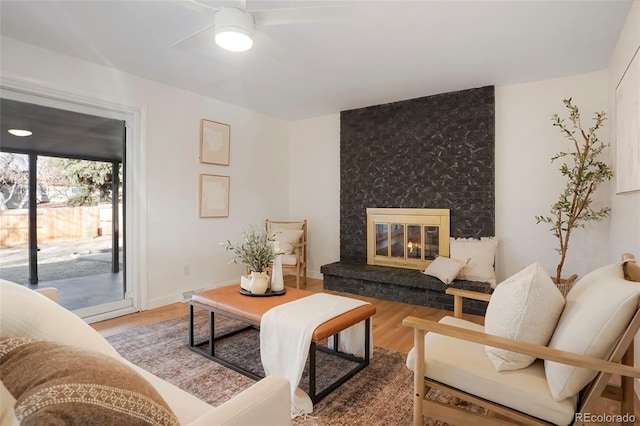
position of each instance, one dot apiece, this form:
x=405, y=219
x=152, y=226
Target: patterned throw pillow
x=59, y=384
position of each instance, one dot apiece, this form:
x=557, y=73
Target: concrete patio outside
x=81, y=270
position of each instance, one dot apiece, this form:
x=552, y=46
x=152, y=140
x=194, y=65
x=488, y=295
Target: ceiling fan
x=235, y=28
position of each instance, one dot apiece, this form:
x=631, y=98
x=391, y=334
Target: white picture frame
x=628, y=128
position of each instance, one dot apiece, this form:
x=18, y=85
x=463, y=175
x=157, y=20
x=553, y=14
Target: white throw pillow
x=288, y=239
x=445, y=268
x=524, y=307
x=597, y=311
x=481, y=254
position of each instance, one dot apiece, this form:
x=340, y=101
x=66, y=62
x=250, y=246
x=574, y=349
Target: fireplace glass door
x=406, y=238
x=406, y=241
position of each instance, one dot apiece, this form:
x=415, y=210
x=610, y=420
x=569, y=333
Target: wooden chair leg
x=304, y=275
x=628, y=394
x=298, y=276
x=419, y=388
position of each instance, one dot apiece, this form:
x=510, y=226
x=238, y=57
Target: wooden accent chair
x=292, y=237
x=449, y=355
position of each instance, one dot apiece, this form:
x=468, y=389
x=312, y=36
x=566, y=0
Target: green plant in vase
x=584, y=173
x=255, y=251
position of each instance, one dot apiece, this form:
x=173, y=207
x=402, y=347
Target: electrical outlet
x=186, y=269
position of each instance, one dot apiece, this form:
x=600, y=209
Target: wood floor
x=388, y=331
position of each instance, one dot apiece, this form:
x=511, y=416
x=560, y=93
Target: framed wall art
x=214, y=196
x=628, y=128
x=214, y=142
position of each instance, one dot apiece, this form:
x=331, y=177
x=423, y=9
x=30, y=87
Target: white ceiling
x=388, y=51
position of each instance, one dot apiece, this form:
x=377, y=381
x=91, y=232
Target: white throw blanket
x=351, y=340
x=285, y=337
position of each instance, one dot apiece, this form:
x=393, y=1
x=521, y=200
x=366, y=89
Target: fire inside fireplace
x=406, y=238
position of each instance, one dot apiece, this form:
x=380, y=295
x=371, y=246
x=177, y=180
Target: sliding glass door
x=62, y=208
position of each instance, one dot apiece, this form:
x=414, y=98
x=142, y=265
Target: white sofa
x=29, y=314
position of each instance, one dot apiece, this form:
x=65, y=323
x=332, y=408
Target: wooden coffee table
x=228, y=301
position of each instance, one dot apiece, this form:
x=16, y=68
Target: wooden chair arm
x=421, y=327
x=630, y=268
x=298, y=249
x=458, y=294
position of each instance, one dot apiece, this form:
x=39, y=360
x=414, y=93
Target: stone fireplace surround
x=431, y=152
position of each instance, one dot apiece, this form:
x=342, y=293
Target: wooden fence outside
x=54, y=224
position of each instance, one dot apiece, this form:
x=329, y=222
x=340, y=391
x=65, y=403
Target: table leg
x=312, y=370
x=212, y=337
x=191, y=344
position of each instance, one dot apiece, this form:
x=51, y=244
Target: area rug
x=379, y=395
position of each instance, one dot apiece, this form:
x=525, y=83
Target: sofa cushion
x=52, y=382
x=464, y=365
x=525, y=307
x=260, y=397
x=597, y=311
x=481, y=254
x=26, y=313
x=445, y=269
x=7, y=413
x=184, y=405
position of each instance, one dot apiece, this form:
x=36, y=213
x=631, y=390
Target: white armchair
x=592, y=340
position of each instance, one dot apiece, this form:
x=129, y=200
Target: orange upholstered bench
x=229, y=302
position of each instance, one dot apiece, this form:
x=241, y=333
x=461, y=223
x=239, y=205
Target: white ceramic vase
x=277, y=280
x=259, y=282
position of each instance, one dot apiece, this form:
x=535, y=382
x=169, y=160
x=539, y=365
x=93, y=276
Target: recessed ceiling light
x=20, y=132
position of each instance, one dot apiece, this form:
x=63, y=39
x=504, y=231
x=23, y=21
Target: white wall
x=624, y=233
x=170, y=128
x=527, y=183
x=314, y=187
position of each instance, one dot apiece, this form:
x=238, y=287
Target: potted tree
x=584, y=173
x=257, y=252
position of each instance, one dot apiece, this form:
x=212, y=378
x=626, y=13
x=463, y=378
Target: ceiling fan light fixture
x=20, y=132
x=234, y=41
x=234, y=29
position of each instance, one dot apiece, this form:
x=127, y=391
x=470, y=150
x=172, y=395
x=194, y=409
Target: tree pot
x=564, y=285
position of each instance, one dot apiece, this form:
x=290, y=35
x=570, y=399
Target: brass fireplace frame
x=405, y=217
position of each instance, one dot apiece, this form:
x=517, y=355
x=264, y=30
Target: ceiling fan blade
x=301, y=15
x=196, y=6
x=203, y=35
x=275, y=50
